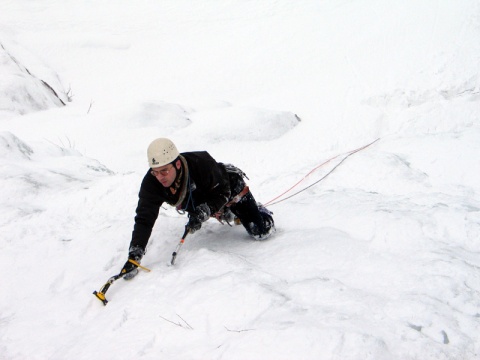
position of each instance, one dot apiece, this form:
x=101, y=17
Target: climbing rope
x=348, y=154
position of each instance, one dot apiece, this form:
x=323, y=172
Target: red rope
x=348, y=153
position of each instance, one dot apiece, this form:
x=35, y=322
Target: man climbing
x=195, y=183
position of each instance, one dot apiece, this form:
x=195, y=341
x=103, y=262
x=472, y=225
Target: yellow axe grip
x=138, y=264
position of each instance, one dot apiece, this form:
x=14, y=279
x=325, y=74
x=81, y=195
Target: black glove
x=130, y=269
x=201, y=214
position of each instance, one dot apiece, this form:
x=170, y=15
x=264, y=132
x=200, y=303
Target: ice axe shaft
x=182, y=241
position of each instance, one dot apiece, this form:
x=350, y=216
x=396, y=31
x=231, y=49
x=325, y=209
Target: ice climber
x=194, y=183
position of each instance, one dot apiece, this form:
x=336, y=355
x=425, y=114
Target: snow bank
x=13, y=148
x=21, y=91
x=379, y=260
x=241, y=124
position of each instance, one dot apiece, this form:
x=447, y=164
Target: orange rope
x=348, y=153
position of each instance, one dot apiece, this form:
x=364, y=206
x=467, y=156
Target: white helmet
x=161, y=152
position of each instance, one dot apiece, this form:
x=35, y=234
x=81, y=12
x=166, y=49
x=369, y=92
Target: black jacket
x=208, y=182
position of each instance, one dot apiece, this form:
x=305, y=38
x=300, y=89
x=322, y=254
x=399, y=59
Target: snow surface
x=379, y=260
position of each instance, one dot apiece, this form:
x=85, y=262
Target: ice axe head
x=101, y=297
x=101, y=294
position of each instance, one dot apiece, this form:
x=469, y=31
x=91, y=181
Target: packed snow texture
x=22, y=92
x=377, y=252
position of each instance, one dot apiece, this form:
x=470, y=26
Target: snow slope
x=378, y=258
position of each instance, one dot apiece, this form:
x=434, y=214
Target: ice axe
x=101, y=294
x=182, y=241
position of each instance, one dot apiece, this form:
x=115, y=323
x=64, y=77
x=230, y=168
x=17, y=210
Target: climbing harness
x=220, y=215
x=238, y=197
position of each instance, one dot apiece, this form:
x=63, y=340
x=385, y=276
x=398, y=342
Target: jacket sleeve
x=211, y=184
x=215, y=183
x=218, y=189
x=148, y=207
